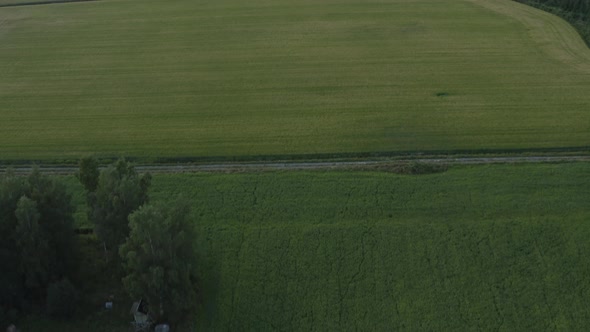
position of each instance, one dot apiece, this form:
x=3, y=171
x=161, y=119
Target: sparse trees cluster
x=113, y=194
x=38, y=256
x=155, y=241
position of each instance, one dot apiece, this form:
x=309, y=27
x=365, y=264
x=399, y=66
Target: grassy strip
x=460, y=193
x=389, y=155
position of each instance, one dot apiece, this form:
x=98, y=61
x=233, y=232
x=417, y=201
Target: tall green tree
x=56, y=221
x=36, y=221
x=88, y=173
x=12, y=290
x=31, y=244
x=119, y=191
x=160, y=260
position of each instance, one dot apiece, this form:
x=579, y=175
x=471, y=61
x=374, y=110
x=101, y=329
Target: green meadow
x=151, y=79
x=488, y=247
x=474, y=248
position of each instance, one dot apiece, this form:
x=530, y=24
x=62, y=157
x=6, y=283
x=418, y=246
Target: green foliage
x=88, y=173
x=95, y=282
x=120, y=190
x=12, y=290
x=37, y=248
x=12, y=188
x=56, y=221
x=30, y=242
x=478, y=247
x=62, y=299
x=579, y=7
x=400, y=274
x=160, y=259
x=460, y=193
x=320, y=77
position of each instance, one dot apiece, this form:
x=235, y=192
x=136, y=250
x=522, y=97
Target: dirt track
x=252, y=167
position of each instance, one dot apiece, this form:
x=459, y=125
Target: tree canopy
x=160, y=259
x=36, y=221
x=113, y=194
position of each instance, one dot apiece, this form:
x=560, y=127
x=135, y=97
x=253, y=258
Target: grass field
x=185, y=78
x=475, y=248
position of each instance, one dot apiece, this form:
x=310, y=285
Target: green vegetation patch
x=479, y=247
x=386, y=275
x=191, y=78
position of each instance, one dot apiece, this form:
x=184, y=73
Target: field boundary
x=555, y=36
x=311, y=157
x=580, y=21
x=297, y=166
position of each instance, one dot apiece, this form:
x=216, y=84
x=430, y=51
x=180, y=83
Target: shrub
x=62, y=299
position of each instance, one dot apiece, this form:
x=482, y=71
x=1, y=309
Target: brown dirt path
x=325, y=165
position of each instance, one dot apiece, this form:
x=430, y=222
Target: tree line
x=580, y=7
x=150, y=241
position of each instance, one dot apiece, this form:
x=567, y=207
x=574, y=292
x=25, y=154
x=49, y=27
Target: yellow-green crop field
x=194, y=78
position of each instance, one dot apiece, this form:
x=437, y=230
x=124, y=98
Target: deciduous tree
x=160, y=259
x=119, y=191
x=31, y=245
x=88, y=173
x=36, y=218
